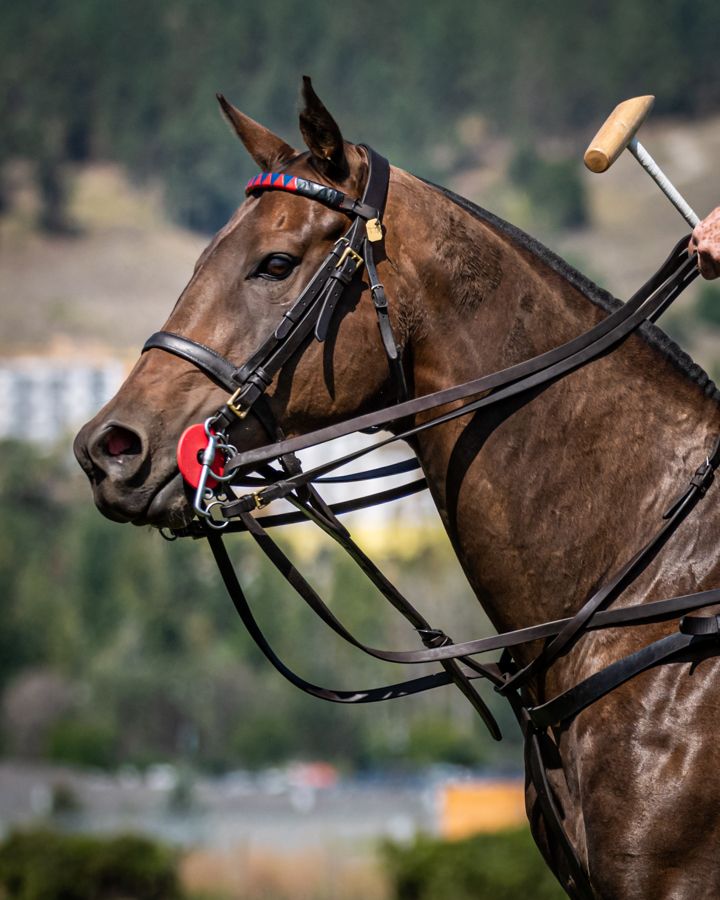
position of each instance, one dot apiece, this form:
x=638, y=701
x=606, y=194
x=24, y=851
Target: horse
x=541, y=500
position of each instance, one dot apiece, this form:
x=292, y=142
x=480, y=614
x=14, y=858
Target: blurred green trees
x=707, y=305
x=502, y=866
x=42, y=864
x=134, y=82
x=553, y=187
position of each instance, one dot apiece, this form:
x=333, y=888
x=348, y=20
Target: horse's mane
x=597, y=295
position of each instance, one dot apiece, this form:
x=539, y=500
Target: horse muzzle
x=128, y=484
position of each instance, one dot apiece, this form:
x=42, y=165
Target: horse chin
x=169, y=507
x=166, y=507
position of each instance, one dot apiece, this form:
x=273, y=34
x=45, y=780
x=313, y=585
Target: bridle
x=313, y=310
x=212, y=465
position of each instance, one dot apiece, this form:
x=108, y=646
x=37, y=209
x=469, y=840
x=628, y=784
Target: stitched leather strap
x=215, y=366
x=568, y=704
x=537, y=769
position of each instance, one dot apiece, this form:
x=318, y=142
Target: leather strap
x=539, y=377
x=703, y=626
x=215, y=366
x=433, y=638
x=568, y=704
x=370, y=695
x=639, y=614
x=537, y=769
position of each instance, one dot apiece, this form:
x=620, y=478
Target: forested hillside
x=134, y=82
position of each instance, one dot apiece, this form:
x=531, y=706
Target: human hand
x=705, y=241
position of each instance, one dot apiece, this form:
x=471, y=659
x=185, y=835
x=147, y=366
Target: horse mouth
x=169, y=506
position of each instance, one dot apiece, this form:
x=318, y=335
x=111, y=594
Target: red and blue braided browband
x=276, y=181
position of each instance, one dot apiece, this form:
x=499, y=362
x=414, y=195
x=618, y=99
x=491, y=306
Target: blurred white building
x=44, y=397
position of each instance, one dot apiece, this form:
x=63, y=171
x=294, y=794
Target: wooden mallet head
x=617, y=132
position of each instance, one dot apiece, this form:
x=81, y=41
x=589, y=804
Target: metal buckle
x=260, y=502
x=356, y=258
x=239, y=411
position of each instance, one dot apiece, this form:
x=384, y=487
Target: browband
x=276, y=181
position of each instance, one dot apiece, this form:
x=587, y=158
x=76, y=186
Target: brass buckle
x=260, y=503
x=356, y=258
x=239, y=412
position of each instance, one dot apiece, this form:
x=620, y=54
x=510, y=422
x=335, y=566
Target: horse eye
x=276, y=266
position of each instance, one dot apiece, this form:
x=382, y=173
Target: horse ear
x=322, y=135
x=266, y=148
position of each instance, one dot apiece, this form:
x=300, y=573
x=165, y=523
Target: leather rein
x=273, y=472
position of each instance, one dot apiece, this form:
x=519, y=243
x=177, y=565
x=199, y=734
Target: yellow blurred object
x=469, y=807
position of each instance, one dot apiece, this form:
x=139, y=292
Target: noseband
x=273, y=472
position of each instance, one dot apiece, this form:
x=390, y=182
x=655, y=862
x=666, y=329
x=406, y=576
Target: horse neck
x=541, y=499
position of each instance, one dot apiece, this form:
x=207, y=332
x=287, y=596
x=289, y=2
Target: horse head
x=249, y=275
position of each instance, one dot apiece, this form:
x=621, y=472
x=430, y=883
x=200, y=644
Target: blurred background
x=130, y=698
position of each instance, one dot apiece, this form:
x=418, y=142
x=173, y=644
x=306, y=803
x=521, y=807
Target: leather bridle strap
x=431, y=637
x=554, y=711
x=657, y=611
x=537, y=767
x=371, y=695
x=314, y=508
x=568, y=704
x=255, y=375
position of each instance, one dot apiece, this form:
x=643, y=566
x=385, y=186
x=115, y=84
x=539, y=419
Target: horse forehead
x=271, y=213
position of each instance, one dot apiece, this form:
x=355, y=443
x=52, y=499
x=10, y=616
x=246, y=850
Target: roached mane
x=655, y=336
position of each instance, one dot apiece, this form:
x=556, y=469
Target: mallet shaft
x=663, y=182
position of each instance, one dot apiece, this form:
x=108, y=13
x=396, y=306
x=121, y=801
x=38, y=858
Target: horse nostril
x=119, y=441
x=117, y=451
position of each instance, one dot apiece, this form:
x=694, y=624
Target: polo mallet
x=617, y=134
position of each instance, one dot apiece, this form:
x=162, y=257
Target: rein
x=212, y=465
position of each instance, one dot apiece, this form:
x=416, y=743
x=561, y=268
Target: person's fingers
x=697, y=234
x=705, y=242
x=708, y=265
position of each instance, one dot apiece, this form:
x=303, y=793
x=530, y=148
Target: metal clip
x=205, y=500
x=208, y=458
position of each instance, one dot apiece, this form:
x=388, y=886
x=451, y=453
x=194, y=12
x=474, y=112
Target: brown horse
x=540, y=505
